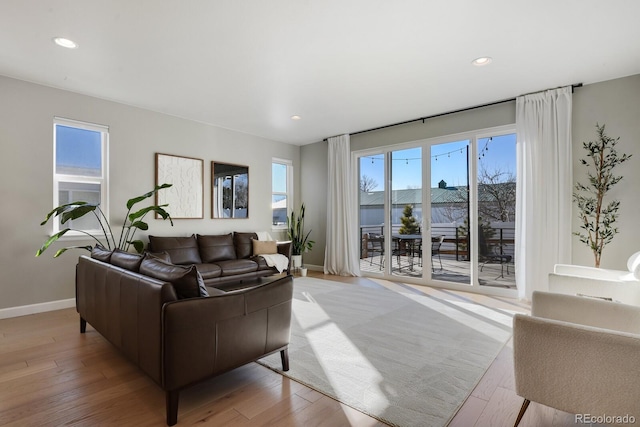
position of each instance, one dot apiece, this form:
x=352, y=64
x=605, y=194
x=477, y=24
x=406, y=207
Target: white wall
x=616, y=104
x=26, y=178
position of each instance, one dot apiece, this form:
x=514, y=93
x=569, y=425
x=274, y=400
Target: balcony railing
x=499, y=238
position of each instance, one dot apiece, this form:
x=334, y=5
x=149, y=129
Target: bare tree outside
x=367, y=183
x=498, y=189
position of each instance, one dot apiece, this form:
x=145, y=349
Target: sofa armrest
x=203, y=337
x=586, y=311
x=125, y=307
x=591, y=272
x=627, y=292
x=574, y=368
x=285, y=248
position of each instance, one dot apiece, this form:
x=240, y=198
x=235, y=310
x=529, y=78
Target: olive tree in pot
x=299, y=240
x=596, y=216
x=133, y=221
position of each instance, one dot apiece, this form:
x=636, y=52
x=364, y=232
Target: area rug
x=401, y=356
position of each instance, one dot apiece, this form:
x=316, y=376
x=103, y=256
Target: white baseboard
x=24, y=310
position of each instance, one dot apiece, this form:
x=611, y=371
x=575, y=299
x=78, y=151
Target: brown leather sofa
x=224, y=261
x=179, y=342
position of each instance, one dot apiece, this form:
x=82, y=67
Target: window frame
x=102, y=180
x=289, y=190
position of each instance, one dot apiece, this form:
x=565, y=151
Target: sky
x=78, y=148
x=448, y=162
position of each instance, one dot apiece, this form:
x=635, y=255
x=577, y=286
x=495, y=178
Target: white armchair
x=578, y=355
x=618, y=285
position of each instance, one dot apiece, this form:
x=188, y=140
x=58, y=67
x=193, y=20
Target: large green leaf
x=140, y=225
x=138, y=245
x=78, y=212
x=157, y=209
x=164, y=214
x=135, y=200
x=63, y=250
x=50, y=240
x=61, y=209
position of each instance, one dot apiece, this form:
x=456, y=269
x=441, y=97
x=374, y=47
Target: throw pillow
x=264, y=247
x=126, y=260
x=182, y=250
x=101, y=253
x=186, y=280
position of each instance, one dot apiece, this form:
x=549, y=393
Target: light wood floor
x=51, y=375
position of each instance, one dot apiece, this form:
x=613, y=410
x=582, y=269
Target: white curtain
x=544, y=187
x=342, y=251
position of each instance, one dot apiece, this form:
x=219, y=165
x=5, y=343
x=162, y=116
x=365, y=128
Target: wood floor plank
x=469, y=412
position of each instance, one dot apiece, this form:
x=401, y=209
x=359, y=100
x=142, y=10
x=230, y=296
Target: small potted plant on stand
x=299, y=240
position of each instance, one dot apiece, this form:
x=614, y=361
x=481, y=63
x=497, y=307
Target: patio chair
x=375, y=245
x=488, y=256
x=436, y=242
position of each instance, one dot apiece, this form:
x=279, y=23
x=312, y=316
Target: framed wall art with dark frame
x=229, y=190
x=186, y=196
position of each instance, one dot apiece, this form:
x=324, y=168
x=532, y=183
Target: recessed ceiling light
x=295, y=117
x=483, y=60
x=61, y=41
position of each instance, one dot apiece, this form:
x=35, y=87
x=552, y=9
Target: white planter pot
x=303, y=272
x=297, y=260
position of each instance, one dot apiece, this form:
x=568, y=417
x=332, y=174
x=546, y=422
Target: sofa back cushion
x=126, y=260
x=243, y=244
x=186, y=280
x=216, y=248
x=164, y=256
x=101, y=253
x=181, y=250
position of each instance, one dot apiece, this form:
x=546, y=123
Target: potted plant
x=132, y=223
x=299, y=240
x=596, y=216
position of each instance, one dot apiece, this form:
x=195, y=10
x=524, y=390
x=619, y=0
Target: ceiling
x=342, y=65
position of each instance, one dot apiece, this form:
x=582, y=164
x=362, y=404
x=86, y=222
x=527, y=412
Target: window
x=80, y=169
x=281, y=190
x=460, y=192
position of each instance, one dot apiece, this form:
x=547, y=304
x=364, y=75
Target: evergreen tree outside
x=409, y=224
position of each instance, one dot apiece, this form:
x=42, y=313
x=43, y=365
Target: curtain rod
x=573, y=87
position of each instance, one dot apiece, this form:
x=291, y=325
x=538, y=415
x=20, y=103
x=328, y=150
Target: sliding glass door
x=496, y=210
x=405, y=213
x=450, y=211
x=441, y=211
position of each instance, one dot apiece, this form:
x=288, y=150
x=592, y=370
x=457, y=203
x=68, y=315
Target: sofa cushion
x=160, y=255
x=126, y=260
x=237, y=266
x=216, y=248
x=186, y=280
x=242, y=242
x=181, y=250
x=209, y=271
x=266, y=247
x=101, y=253
x=262, y=264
